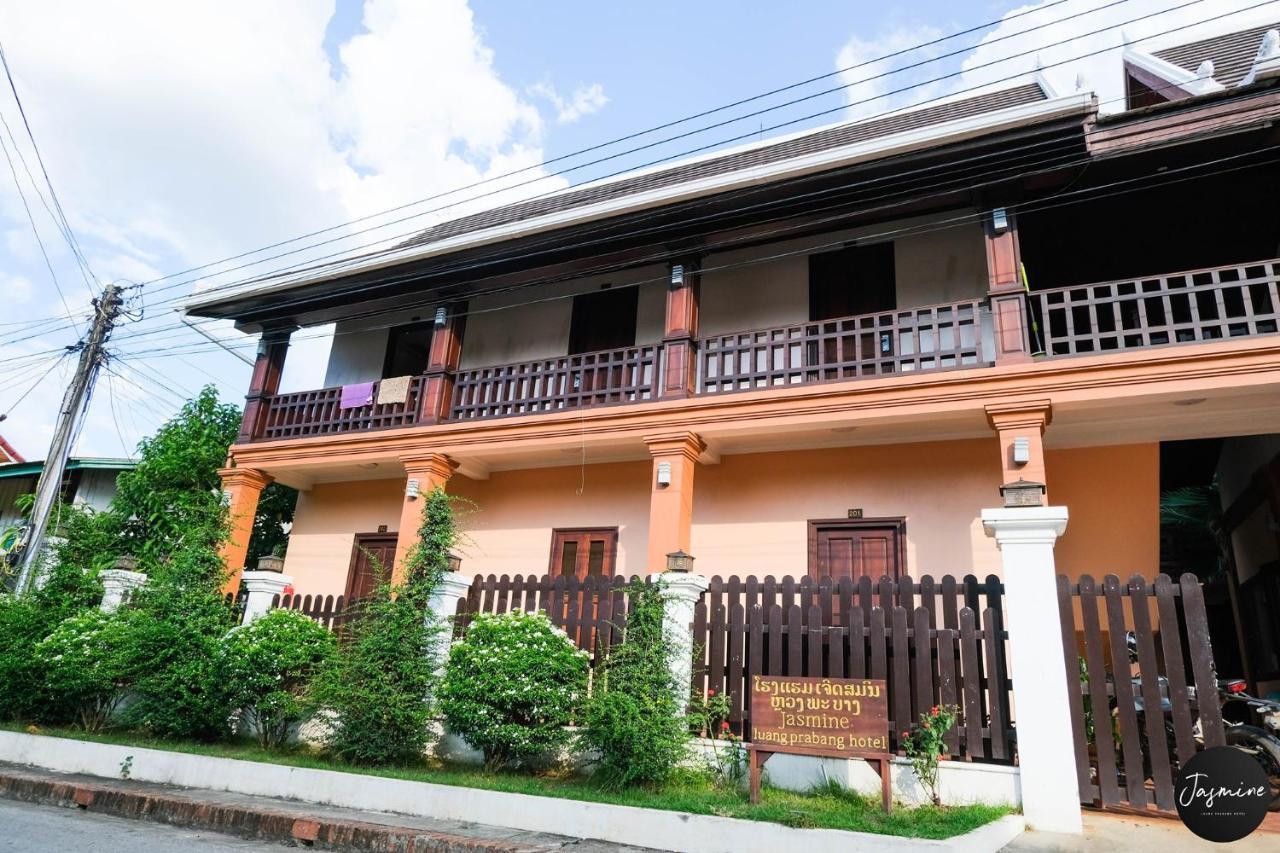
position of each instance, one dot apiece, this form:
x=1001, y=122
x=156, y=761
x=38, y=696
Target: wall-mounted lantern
x=455, y=562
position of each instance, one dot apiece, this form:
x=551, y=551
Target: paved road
x=50, y=829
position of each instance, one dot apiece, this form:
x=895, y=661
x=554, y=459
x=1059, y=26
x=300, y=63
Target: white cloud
x=15, y=289
x=584, y=101
x=181, y=132
x=872, y=84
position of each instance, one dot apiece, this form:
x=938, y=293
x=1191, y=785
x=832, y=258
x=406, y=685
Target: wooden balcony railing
x=568, y=382
x=1200, y=305
x=317, y=413
x=929, y=338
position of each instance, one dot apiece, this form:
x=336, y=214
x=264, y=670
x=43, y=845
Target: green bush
x=512, y=685
x=85, y=667
x=268, y=666
x=24, y=622
x=180, y=621
x=378, y=690
x=633, y=722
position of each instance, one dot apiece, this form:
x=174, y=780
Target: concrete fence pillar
x=453, y=587
x=260, y=588
x=117, y=586
x=680, y=594
x=1046, y=758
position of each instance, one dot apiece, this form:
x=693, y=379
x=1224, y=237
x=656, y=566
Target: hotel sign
x=837, y=717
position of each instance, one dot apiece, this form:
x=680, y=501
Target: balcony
x=1186, y=307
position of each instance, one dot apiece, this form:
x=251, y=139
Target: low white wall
x=620, y=824
x=959, y=782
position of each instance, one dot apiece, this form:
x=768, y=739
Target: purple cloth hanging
x=356, y=396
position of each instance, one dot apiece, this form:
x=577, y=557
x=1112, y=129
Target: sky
x=177, y=135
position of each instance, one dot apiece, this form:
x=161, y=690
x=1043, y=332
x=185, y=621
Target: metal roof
x=33, y=469
x=1232, y=53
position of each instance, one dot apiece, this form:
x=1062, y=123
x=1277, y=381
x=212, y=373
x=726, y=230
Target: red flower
x=711, y=692
x=906, y=734
x=724, y=727
x=934, y=711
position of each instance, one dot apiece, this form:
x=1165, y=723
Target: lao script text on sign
x=838, y=717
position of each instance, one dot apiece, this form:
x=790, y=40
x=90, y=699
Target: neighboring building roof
x=33, y=469
x=1232, y=54
x=865, y=140
x=7, y=453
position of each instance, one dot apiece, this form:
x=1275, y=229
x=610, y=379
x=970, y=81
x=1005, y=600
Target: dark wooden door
x=371, y=551
x=584, y=551
x=853, y=549
x=851, y=281
x=603, y=320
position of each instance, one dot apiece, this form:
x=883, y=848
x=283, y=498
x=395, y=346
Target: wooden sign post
x=828, y=717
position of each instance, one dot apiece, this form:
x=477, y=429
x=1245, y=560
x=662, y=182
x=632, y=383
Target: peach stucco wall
x=751, y=512
x=1113, y=496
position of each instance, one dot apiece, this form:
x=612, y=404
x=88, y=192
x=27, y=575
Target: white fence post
x=117, y=585
x=453, y=587
x=260, y=588
x=680, y=594
x=1046, y=757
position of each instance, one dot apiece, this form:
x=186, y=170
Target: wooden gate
x=1127, y=757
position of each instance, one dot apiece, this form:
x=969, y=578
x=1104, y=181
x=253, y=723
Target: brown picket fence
x=1135, y=766
x=331, y=611
x=934, y=641
x=591, y=610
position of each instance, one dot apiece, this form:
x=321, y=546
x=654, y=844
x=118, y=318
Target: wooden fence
x=591, y=610
x=933, y=641
x=1125, y=757
x=331, y=611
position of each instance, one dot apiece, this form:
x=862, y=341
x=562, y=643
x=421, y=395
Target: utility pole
x=74, y=401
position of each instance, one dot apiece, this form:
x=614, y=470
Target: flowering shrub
x=268, y=665
x=927, y=742
x=512, y=685
x=84, y=667
x=709, y=717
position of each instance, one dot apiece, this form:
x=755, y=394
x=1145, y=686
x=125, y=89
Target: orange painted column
x=241, y=488
x=429, y=471
x=1012, y=421
x=675, y=460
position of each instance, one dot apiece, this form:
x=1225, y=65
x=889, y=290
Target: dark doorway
x=603, y=320
x=372, y=552
x=583, y=552
x=408, y=350
x=853, y=280
x=844, y=548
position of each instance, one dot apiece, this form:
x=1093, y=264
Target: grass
x=831, y=807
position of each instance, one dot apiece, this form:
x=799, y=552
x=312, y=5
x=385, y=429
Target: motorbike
x=1250, y=724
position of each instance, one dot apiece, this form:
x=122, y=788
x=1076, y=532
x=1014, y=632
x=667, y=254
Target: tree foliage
x=632, y=720
x=378, y=690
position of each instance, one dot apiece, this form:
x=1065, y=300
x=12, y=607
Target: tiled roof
x=797, y=146
x=7, y=452
x=1232, y=53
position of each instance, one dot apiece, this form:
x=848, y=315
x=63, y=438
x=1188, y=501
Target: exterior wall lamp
x=1021, y=450
x=412, y=489
x=999, y=220
x=455, y=562
x=664, y=474
x=680, y=562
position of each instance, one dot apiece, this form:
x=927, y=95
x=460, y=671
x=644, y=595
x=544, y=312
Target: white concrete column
x=1026, y=536
x=260, y=588
x=453, y=587
x=117, y=585
x=680, y=593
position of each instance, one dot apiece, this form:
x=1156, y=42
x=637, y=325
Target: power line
x=67, y=233
x=337, y=265
x=635, y=135
x=1075, y=197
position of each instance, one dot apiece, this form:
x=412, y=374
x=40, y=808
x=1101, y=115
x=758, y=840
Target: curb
x=298, y=828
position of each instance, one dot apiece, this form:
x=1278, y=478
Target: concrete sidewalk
x=278, y=820
x=1107, y=832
